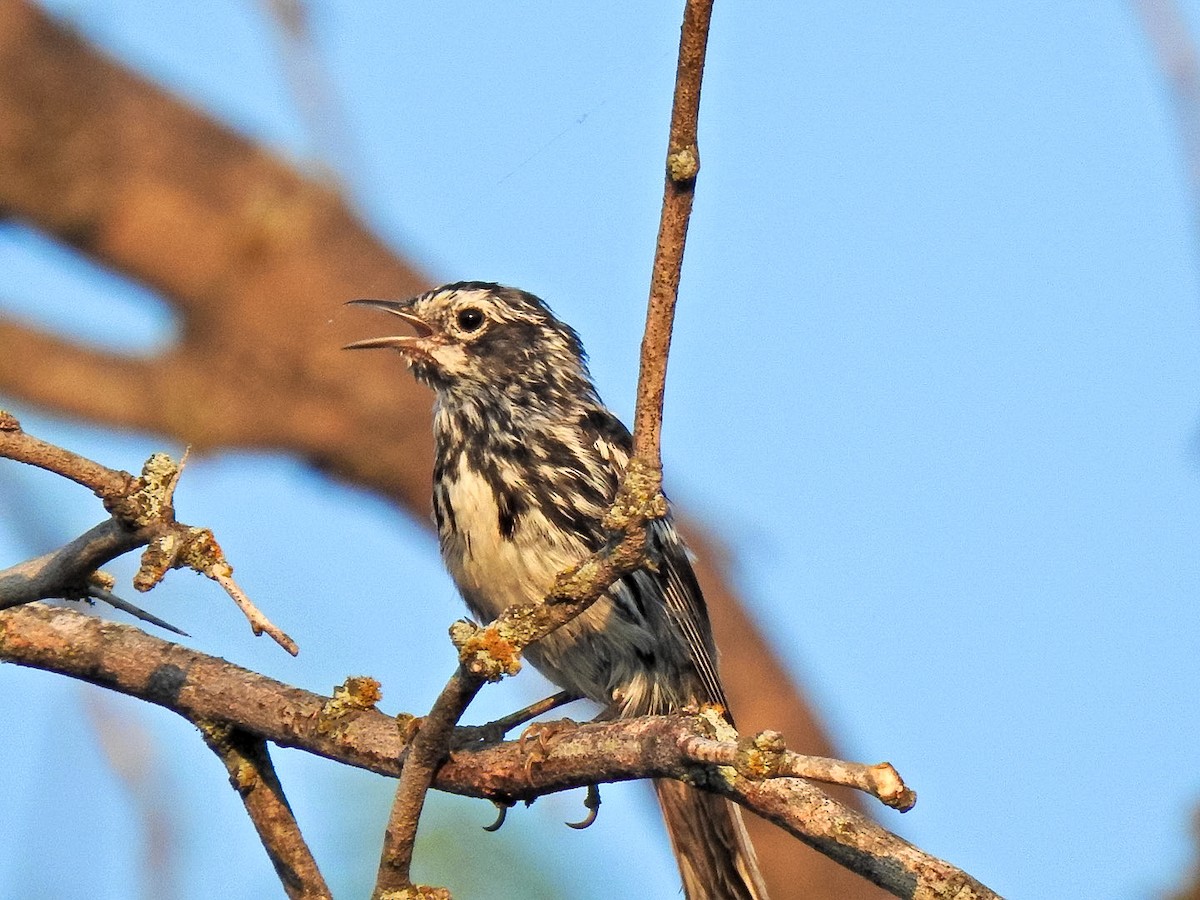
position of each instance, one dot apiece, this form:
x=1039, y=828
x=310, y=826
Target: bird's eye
x=470, y=319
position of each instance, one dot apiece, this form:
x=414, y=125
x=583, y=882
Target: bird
x=527, y=462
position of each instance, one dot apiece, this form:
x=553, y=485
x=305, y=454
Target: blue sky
x=936, y=382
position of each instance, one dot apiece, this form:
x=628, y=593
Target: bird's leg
x=495, y=731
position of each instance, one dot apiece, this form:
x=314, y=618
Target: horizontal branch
x=65, y=572
x=200, y=687
x=19, y=445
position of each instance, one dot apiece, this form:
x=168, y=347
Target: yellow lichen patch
x=760, y=756
x=245, y=779
x=151, y=501
x=104, y=580
x=489, y=654
x=684, y=165
x=362, y=691
x=355, y=694
x=201, y=552
x=157, y=558
x=408, y=725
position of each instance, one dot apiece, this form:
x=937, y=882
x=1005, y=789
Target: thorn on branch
x=99, y=593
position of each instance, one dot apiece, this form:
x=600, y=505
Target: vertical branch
x=429, y=746
x=253, y=776
x=683, y=165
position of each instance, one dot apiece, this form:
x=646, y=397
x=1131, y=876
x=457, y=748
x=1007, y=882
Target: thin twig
x=259, y=623
x=764, y=756
x=496, y=729
x=252, y=775
x=683, y=165
x=143, y=515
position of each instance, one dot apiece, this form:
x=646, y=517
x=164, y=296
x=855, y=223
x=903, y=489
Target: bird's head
x=472, y=336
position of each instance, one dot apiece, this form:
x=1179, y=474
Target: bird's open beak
x=396, y=342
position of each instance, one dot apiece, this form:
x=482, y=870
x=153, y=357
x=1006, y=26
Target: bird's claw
x=591, y=803
x=501, y=814
x=545, y=734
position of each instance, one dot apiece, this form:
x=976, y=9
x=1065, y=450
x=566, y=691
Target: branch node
x=684, y=164
x=760, y=756
x=639, y=498
x=408, y=725
x=150, y=501
x=489, y=653
x=157, y=559
x=201, y=552
x=106, y=581
x=356, y=694
x=462, y=631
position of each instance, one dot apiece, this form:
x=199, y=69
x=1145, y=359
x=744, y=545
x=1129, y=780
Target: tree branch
x=203, y=688
x=683, y=165
x=142, y=516
x=495, y=651
x=252, y=775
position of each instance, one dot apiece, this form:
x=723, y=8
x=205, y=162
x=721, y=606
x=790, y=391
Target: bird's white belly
x=494, y=571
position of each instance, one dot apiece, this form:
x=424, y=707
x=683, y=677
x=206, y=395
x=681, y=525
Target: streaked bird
x=528, y=460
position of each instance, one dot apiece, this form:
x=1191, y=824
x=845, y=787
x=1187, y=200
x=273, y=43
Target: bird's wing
x=685, y=603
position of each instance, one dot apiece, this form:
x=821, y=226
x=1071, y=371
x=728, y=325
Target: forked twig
x=142, y=514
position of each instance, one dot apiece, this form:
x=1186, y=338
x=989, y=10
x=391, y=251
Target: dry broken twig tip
x=259, y=623
x=763, y=756
x=142, y=515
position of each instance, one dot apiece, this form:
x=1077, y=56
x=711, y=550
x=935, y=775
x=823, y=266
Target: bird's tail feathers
x=715, y=856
